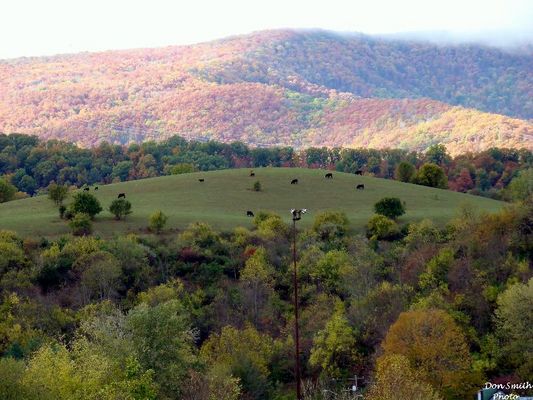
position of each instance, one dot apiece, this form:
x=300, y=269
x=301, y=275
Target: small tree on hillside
x=57, y=193
x=405, y=172
x=120, y=208
x=85, y=203
x=157, y=221
x=257, y=186
x=391, y=207
x=81, y=224
x=431, y=175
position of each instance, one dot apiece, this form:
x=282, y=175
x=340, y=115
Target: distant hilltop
x=282, y=87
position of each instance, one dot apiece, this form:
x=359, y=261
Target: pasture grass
x=224, y=197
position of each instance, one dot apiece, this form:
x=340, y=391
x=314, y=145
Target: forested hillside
x=278, y=87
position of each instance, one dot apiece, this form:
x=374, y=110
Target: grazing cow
x=201, y=180
x=86, y=189
x=96, y=188
x=249, y=214
x=121, y=196
x=360, y=187
x=359, y=172
x=329, y=175
x=252, y=173
x=294, y=182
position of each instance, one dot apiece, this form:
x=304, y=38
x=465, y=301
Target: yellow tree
x=435, y=347
x=395, y=379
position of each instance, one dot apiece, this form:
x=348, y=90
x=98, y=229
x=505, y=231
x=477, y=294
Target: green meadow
x=224, y=197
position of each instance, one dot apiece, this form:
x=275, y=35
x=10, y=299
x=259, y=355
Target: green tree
x=258, y=278
x=158, y=221
x=334, y=348
x=164, y=340
x=11, y=374
x=396, y=379
x=405, y=171
x=120, y=208
x=330, y=225
x=246, y=353
x=85, y=203
x=57, y=193
x=379, y=227
x=437, y=154
x=431, y=175
x=514, y=321
x=81, y=224
x=181, y=168
x=122, y=170
x=391, y=207
x=99, y=275
x=521, y=187
x=257, y=186
x=7, y=191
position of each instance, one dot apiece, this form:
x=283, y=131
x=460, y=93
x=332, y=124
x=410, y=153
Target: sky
x=47, y=27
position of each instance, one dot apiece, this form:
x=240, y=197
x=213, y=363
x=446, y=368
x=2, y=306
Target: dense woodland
x=278, y=88
x=30, y=165
x=202, y=314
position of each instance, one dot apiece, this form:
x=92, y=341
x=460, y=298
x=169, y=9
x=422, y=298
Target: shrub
x=381, y=228
x=120, y=208
x=257, y=186
x=391, y=207
x=330, y=224
x=157, y=221
x=81, y=224
x=85, y=203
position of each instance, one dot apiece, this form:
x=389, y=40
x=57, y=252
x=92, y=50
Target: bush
x=85, y=203
x=81, y=224
x=331, y=224
x=157, y=221
x=57, y=193
x=257, y=186
x=380, y=227
x=62, y=210
x=391, y=207
x=120, y=208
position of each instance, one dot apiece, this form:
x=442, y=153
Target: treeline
x=31, y=165
x=209, y=315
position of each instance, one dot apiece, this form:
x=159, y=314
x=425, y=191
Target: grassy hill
x=298, y=88
x=225, y=196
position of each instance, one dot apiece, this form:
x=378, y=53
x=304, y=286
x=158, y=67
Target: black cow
x=96, y=188
x=201, y=180
x=86, y=189
x=121, y=196
x=360, y=187
x=359, y=172
x=249, y=214
x=294, y=182
x=252, y=173
x=329, y=175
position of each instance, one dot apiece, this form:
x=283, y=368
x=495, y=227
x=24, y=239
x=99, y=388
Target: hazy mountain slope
x=276, y=87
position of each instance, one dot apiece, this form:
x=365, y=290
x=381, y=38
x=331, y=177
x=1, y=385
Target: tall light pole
x=296, y=216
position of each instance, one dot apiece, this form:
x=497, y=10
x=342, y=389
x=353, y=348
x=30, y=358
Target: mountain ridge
x=277, y=87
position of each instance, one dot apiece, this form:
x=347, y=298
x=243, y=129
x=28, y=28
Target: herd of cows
x=249, y=213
